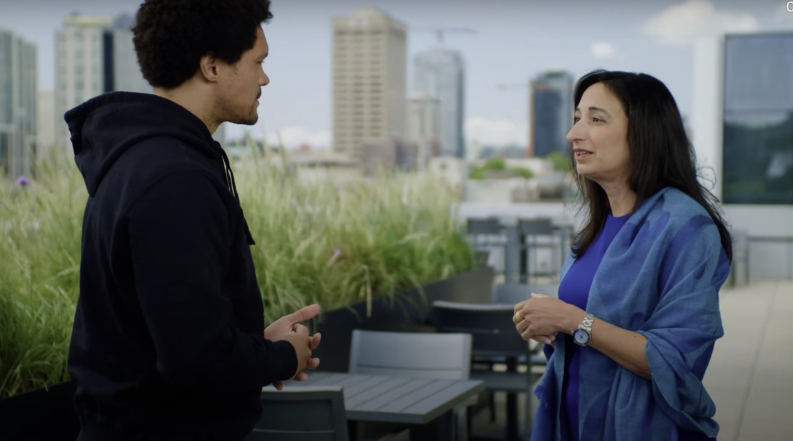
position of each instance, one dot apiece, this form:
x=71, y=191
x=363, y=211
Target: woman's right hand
x=521, y=325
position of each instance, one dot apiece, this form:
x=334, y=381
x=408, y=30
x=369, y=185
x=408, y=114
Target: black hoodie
x=168, y=339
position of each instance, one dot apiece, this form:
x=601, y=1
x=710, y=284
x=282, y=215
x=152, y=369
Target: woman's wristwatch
x=583, y=334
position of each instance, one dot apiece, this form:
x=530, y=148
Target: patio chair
x=415, y=355
x=306, y=413
x=494, y=337
x=485, y=236
x=299, y=413
x=504, y=294
x=536, y=234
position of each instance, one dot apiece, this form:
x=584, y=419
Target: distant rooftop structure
x=556, y=74
x=124, y=21
x=86, y=21
x=321, y=157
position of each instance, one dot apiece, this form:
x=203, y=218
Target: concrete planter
x=407, y=311
x=40, y=415
x=49, y=414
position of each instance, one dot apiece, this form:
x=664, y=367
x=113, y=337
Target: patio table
x=394, y=399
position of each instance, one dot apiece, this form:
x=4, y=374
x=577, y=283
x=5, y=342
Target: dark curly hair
x=171, y=36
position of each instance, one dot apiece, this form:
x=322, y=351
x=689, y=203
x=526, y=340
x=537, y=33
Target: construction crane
x=440, y=31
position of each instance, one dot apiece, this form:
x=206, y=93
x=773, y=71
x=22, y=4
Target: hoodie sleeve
x=179, y=238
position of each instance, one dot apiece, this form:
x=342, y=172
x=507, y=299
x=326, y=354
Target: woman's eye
x=576, y=119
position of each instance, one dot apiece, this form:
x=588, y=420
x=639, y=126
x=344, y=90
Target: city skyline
x=515, y=41
x=18, y=105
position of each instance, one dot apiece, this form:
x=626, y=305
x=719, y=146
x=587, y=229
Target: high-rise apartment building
x=94, y=55
x=45, y=122
x=440, y=74
x=551, y=105
x=18, y=88
x=423, y=126
x=369, y=80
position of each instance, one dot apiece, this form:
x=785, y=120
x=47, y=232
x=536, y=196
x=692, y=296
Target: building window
x=758, y=119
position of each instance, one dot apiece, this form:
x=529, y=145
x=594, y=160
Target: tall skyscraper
x=552, y=112
x=45, y=122
x=440, y=74
x=18, y=88
x=94, y=55
x=423, y=126
x=369, y=80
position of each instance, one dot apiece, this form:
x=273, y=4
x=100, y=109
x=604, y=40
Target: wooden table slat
x=375, y=392
x=454, y=394
x=336, y=379
x=409, y=400
x=394, y=394
x=313, y=378
x=364, y=386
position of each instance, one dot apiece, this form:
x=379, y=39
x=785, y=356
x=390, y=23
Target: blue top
x=574, y=289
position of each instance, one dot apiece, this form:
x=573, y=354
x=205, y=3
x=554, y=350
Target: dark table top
x=395, y=399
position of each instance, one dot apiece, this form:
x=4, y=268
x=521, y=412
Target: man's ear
x=208, y=67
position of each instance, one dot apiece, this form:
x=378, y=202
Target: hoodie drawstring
x=232, y=186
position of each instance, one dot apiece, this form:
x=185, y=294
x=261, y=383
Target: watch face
x=581, y=337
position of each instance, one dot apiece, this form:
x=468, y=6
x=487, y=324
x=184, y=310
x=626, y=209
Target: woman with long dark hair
x=632, y=332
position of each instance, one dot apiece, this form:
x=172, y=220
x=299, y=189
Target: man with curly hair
x=169, y=341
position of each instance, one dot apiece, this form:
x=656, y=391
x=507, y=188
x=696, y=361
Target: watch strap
x=586, y=324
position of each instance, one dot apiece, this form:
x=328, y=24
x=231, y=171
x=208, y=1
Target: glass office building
x=758, y=119
x=552, y=112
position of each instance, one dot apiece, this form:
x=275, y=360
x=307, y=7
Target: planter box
x=40, y=415
x=49, y=414
x=408, y=311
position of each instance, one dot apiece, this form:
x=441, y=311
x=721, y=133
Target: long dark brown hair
x=660, y=152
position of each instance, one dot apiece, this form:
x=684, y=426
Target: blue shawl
x=660, y=277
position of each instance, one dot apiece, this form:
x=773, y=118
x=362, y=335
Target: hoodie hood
x=104, y=127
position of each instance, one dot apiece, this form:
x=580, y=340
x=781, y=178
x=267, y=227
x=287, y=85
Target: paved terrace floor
x=750, y=376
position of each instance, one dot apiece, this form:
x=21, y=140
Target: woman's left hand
x=547, y=316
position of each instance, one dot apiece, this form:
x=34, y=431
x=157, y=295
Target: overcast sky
x=516, y=40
